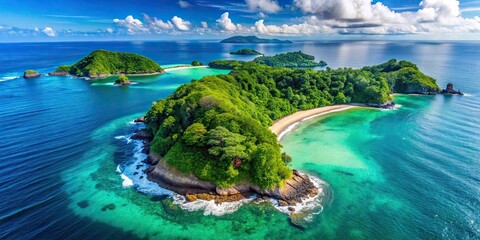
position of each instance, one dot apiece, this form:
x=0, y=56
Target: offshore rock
x=450, y=90
x=62, y=74
x=31, y=74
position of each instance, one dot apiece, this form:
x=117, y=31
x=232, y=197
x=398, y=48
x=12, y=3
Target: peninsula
x=252, y=39
x=210, y=139
x=102, y=63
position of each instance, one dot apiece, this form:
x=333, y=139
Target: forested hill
x=217, y=128
x=102, y=63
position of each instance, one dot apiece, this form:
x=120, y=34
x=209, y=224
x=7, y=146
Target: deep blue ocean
x=410, y=173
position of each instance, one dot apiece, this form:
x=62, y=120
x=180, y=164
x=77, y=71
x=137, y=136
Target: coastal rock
x=62, y=74
x=174, y=180
x=31, y=74
x=142, y=135
x=291, y=209
x=139, y=120
x=451, y=90
x=386, y=105
x=295, y=189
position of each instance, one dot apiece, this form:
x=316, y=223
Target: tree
x=194, y=135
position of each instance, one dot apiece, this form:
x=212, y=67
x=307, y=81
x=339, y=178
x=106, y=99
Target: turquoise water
x=409, y=173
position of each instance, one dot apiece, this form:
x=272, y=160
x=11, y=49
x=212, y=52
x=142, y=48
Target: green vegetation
x=246, y=51
x=252, y=39
x=197, y=63
x=64, y=68
x=290, y=60
x=225, y=64
x=104, y=63
x=206, y=126
x=31, y=72
x=122, y=80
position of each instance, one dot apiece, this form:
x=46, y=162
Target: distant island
x=290, y=60
x=210, y=139
x=252, y=39
x=102, y=63
x=246, y=51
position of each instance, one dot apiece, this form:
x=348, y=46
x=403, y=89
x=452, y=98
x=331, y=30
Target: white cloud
x=132, y=25
x=269, y=6
x=226, y=23
x=109, y=30
x=363, y=17
x=262, y=15
x=204, y=24
x=49, y=32
x=181, y=24
x=183, y=4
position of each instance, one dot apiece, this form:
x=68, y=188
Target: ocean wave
x=210, y=207
x=8, y=78
x=311, y=206
x=127, y=182
x=134, y=170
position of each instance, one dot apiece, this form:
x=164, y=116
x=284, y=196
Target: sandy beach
x=281, y=126
x=182, y=67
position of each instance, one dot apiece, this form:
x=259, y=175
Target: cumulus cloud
x=269, y=6
x=226, y=23
x=49, y=32
x=181, y=24
x=132, y=24
x=183, y=4
x=204, y=24
x=364, y=17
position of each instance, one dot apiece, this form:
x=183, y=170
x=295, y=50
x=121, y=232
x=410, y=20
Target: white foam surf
x=310, y=205
x=134, y=170
x=210, y=207
x=8, y=78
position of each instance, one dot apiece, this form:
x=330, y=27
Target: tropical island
x=252, y=39
x=246, y=51
x=210, y=139
x=290, y=60
x=102, y=63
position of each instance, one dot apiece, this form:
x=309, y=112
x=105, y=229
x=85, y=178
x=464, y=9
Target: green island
x=217, y=128
x=246, y=51
x=102, y=63
x=196, y=63
x=252, y=39
x=290, y=60
x=122, y=80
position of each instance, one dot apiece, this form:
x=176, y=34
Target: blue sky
x=55, y=20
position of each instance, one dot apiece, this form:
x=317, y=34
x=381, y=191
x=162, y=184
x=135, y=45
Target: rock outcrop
x=386, y=105
x=139, y=120
x=62, y=74
x=31, y=74
x=293, y=191
x=450, y=90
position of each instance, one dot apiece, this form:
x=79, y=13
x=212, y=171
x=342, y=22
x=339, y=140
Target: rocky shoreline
x=294, y=190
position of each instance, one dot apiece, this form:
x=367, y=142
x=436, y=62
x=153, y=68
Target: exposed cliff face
x=294, y=189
